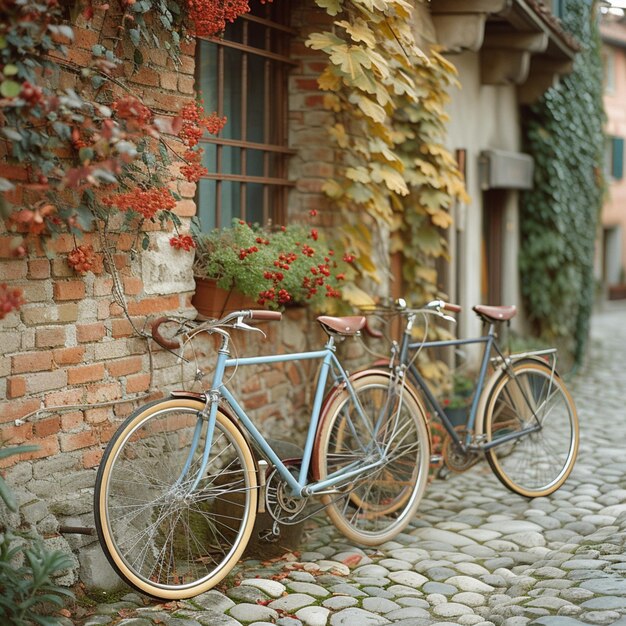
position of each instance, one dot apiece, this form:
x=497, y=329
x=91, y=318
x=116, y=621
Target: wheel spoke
x=160, y=536
x=538, y=462
x=381, y=502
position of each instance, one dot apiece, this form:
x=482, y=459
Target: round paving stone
x=440, y=588
x=336, y=603
x=608, y=586
x=467, y=583
x=410, y=579
x=313, y=615
x=353, y=616
x=312, y=589
x=246, y=612
x=379, y=605
x=371, y=571
x=246, y=593
x=292, y=602
x=406, y=613
x=439, y=573
x=452, y=609
x=469, y=598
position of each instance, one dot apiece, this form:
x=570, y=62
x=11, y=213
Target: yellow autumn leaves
x=388, y=98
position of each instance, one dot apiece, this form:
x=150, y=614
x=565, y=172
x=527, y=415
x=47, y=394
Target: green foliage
x=72, y=141
x=388, y=96
x=277, y=267
x=27, y=570
x=563, y=133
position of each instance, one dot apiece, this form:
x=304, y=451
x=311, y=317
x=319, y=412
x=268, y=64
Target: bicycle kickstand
x=271, y=535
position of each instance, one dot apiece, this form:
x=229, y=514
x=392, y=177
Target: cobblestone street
x=476, y=554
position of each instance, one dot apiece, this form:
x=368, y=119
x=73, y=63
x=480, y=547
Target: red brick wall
x=72, y=354
x=71, y=365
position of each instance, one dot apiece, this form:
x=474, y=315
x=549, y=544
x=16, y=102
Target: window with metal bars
x=243, y=76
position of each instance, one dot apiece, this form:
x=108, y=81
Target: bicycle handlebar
x=162, y=341
x=449, y=306
x=254, y=314
x=263, y=315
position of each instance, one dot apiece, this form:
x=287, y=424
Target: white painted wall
x=482, y=117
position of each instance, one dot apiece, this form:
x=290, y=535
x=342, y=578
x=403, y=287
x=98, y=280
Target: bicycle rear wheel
x=392, y=433
x=538, y=463
x=160, y=535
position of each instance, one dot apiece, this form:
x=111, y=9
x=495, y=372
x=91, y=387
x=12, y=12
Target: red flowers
x=81, y=258
x=271, y=264
x=210, y=16
x=192, y=171
x=182, y=242
x=10, y=300
x=136, y=115
x=195, y=122
x=147, y=203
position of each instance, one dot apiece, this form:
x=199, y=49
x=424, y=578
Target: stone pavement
x=475, y=554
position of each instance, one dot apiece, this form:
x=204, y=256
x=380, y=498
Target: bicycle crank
x=455, y=457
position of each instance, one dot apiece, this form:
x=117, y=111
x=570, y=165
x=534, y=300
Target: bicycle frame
x=490, y=344
x=300, y=486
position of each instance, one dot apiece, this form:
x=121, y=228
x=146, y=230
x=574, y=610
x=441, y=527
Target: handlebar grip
x=268, y=316
x=454, y=308
x=162, y=341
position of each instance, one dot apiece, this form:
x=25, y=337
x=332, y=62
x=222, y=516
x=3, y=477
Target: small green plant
x=27, y=569
x=277, y=267
x=459, y=393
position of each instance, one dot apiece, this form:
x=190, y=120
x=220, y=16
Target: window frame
x=275, y=184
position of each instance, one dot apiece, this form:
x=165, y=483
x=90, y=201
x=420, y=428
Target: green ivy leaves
x=559, y=216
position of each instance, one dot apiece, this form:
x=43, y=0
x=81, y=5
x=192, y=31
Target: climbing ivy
x=395, y=175
x=563, y=133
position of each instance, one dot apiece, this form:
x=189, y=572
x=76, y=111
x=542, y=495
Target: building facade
x=611, y=252
x=73, y=365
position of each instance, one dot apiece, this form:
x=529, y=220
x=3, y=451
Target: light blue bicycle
x=182, y=479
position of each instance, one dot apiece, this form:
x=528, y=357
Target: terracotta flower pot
x=213, y=301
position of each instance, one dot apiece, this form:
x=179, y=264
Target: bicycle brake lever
x=243, y=326
x=448, y=318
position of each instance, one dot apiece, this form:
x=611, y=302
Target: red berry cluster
x=194, y=123
x=32, y=94
x=34, y=221
x=81, y=258
x=182, y=242
x=192, y=170
x=282, y=296
x=147, y=203
x=210, y=16
x=244, y=252
x=10, y=300
x=284, y=260
x=136, y=115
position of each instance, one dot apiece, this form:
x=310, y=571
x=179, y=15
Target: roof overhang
x=520, y=43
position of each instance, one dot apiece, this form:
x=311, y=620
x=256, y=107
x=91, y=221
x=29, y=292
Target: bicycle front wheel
x=163, y=536
x=388, y=437
x=532, y=398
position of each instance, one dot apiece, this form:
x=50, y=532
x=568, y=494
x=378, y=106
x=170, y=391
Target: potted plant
x=456, y=402
x=273, y=267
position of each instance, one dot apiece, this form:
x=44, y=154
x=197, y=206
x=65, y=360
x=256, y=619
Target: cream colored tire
x=161, y=535
x=380, y=502
x=538, y=463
